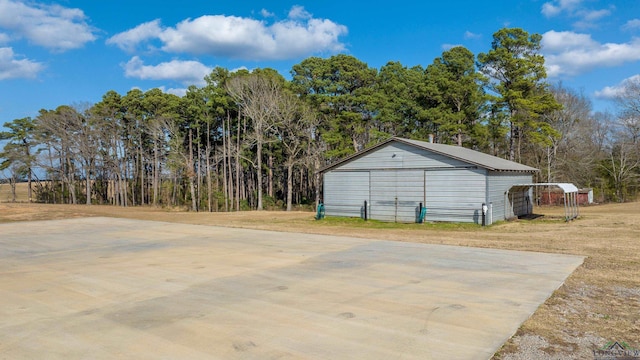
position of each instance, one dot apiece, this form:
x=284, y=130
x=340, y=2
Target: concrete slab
x=104, y=288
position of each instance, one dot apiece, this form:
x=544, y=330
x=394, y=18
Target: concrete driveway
x=102, y=288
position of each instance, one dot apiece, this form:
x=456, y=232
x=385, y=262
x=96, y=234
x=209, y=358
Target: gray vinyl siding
x=396, y=195
x=499, y=184
x=345, y=192
x=399, y=155
x=455, y=195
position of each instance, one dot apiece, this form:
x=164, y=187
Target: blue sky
x=70, y=52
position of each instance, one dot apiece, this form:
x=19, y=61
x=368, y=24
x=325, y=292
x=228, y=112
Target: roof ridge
x=460, y=153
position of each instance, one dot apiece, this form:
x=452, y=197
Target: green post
x=320, y=212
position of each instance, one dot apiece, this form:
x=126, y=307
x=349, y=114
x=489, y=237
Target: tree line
x=255, y=140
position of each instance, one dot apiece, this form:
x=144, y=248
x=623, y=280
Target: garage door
x=455, y=195
x=396, y=195
x=345, y=192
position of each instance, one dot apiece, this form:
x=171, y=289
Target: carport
x=570, y=195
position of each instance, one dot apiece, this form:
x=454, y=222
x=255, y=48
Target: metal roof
x=566, y=187
x=470, y=156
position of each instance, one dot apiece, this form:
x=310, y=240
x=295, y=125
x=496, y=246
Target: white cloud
x=449, y=46
x=186, y=72
x=570, y=53
x=238, y=69
x=175, y=91
x=470, y=35
x=50, y=26
x=128, y=40
x=4, y=38
x=592, y=15
x=557, y=41
x=608, y=92
x=11, y=67
x=217, y=35
x=266, y=13
x=556, y=7
x=586, y=17
x=298, y=12
x=611, y=92
x=550, y=10
x=244, y=38
x=631, y=25
x=181, y=92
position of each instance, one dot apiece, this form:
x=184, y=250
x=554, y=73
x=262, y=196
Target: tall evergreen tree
x=399, y=99
x=517, y=71
x=456, y=89
x=20, y=151
x=342, y=88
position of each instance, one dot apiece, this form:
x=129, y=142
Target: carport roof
x=565, y=187
x=474, y=157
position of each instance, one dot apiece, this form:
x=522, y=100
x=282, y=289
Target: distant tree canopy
x=255, y=140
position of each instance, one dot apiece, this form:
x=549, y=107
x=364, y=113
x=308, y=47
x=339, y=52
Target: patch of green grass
x=377, y=224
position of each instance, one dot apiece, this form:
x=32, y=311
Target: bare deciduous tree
x=295, y=124
x=257, y=96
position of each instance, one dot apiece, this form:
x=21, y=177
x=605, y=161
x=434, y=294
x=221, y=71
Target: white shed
x=399, y=177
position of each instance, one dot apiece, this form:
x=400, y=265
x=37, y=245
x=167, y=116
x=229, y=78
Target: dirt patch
x=599, y=302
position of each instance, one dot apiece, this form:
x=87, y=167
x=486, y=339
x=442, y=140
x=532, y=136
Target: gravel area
x=534, y=347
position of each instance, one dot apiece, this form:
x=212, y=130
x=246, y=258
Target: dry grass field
x=6, y=195
x=599, y=302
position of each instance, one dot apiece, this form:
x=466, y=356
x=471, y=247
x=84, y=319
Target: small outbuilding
x=398, y=178
x=556, y=196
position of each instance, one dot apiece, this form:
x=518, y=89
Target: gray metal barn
x=396, y=176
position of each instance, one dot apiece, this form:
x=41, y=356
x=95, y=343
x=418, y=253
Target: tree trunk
x=238, y=168
x=29, y=184
x=53, y=178
x=115, y=198
x=29, y=172
x=141, y=172
x=317, y=181
x=72, y=182
x=259, y=175
x=199, y=169
x=131, y=171
x=300, y=186
x=270, y=174
x=216, y=171
x=225, y=182
x=156, y=175
x=174, y=190
x=191, y=174
x=230, y=172
x=192, y=188
x=123, y=184
x=12, y=183
x=88, y=183
x=209, y=183
x=289, y=186
x=512, y=143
